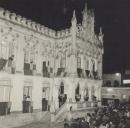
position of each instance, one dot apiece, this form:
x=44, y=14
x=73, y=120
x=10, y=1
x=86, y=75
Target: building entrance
x=62, y=97
x=45, y=99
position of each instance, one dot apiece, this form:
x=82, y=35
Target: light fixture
x=117, y=74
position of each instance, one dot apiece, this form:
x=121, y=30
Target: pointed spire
x=100, y=35
x=85, y=8
x=84, y=15
x=100, y=31
x=74, y=17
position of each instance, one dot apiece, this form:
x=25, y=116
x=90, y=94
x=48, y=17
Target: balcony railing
x=61, y=72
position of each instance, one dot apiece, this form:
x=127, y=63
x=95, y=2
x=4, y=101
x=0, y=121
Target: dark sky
x=112, y=15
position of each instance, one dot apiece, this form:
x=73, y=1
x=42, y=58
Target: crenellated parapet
x=27, y=23
x=63, y=33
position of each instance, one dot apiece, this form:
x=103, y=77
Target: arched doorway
x=94, y=98
x=62, y=96
x=27, y=97
x=86, y=94
x=77, y=93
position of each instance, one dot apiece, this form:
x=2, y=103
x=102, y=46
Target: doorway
x=45, y=99
x=62, y=97
x=27, y=99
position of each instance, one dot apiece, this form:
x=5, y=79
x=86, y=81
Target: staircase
x=46, y=117
x=77, y=111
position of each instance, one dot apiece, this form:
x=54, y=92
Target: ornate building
x=44, y=69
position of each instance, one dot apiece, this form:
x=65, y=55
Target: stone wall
x=15, y=120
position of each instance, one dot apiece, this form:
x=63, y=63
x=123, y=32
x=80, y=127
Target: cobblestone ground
x=42, y=125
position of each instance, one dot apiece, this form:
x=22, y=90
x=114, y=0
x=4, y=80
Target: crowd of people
x=105, y=117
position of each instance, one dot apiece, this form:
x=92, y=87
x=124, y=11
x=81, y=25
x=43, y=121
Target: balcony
x=28, y=70
x=61, y=72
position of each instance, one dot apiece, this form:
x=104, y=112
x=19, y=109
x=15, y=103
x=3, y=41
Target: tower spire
x=74, y=20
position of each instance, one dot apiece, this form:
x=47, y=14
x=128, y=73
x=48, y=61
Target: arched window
x=116, y=83
x=108, y=83
x=77, y=93
x=86, y=94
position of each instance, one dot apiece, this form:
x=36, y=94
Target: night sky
x=112, y=15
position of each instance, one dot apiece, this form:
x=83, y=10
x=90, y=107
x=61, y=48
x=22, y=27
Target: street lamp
x=117, y=74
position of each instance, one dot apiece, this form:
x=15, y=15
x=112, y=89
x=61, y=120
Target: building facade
x=112, y=80
x=42, y=69
x=116, y=88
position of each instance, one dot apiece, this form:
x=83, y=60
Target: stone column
x=90, y=93
x=71, y=91
x=20, y=56
x=82, y=95
x=55, y=95
x=39, y=61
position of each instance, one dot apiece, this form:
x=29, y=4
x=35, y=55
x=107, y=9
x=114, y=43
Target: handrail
x=58, y=110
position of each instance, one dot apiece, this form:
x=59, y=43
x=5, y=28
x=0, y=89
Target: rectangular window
x=5, y=93
x=27, y=92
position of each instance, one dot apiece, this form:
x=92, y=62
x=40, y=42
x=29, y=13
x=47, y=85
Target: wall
x=17, y=84
x=112, y=78
x=115, y=93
